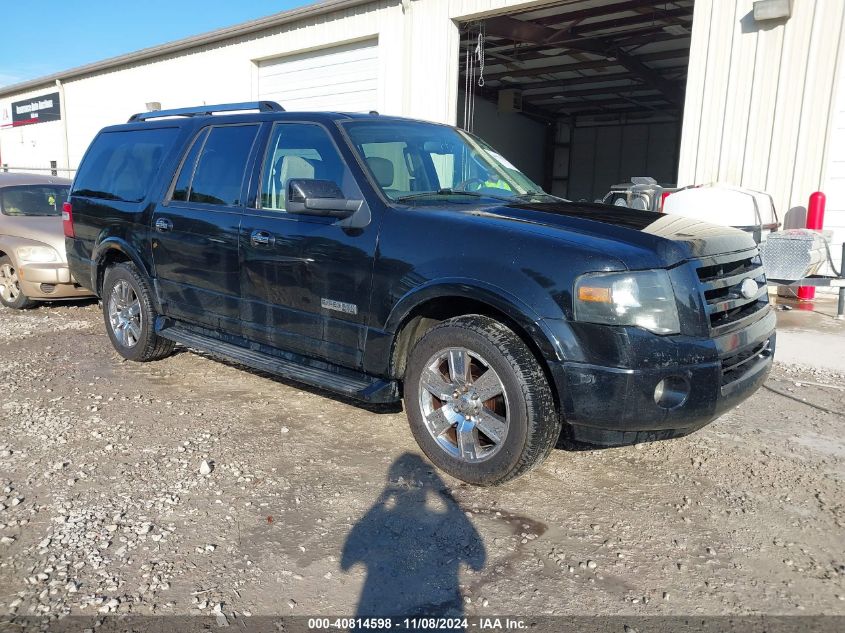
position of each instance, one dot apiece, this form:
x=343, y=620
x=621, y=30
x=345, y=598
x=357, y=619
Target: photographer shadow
x=413, y=542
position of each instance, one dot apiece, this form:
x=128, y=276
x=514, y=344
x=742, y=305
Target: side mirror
x=307, y=196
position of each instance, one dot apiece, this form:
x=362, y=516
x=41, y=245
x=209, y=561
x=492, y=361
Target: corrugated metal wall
x=834, y=180
x=759, y=99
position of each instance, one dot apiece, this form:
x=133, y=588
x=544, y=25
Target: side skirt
x=346, y=382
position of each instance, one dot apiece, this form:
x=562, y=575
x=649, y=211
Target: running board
x=348, y=383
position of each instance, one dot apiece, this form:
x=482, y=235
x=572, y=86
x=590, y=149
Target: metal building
x=580, y=94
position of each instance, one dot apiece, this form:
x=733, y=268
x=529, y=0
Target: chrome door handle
x=163, y=225
x=261, y=238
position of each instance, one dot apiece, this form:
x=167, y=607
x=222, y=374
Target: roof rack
x=261, y=106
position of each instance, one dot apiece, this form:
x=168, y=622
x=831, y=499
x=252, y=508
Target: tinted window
x=220, y=171
x=302, y=151
x=183, y=183
x=34, y=200
x=121, y=165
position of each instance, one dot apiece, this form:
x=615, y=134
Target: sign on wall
x=36, y=110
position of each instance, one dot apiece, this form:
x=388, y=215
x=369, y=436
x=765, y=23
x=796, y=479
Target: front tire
x=478, y=401
x=130, y=315
x=11, y=294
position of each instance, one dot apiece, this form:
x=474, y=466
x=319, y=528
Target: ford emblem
x=749, y=288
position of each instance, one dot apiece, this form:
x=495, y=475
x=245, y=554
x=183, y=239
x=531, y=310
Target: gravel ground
x=192, y=486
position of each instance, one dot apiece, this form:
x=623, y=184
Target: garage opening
x=580, y=95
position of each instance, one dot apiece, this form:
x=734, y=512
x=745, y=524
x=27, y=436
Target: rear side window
x=33, y=200
x=183, y=183
x=121, y=165
x=213, y=170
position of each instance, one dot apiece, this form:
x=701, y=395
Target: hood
x=46, y=230
x=637, y=238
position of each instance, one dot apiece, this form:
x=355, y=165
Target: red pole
x=815, y=220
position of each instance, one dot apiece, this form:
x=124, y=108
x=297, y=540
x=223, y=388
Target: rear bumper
x=616, y=406
x=49, y=281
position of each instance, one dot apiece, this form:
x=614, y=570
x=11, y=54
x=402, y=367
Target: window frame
x=207, y=131
x=171, y=189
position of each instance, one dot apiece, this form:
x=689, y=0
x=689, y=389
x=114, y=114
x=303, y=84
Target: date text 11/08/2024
x=416, y=624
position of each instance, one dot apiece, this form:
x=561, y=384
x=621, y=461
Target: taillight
x=663, y=197
x=67, y=220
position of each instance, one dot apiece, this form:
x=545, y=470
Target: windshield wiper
x=529, y=195
x=448, y=192
x=439, y=192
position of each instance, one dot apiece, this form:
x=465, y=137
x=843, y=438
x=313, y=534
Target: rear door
x=305, y=280
x=195, y=231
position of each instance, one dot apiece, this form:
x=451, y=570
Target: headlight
x=37, y=254
x=644, y=299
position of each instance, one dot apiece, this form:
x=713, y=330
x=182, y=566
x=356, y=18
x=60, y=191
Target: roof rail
x=261, y=106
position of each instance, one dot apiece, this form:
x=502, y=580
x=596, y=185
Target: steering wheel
x=464, y=185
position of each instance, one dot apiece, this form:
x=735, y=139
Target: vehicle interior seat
x=382, y=169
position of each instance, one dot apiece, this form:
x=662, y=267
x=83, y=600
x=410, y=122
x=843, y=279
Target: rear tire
x=482, y=428
x=130, y=315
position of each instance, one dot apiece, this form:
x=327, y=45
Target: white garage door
x=342, y=78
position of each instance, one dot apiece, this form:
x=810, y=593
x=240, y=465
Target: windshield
x=413, y=160
x=33, y=200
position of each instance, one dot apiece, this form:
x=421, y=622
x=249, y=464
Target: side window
x=301, y=151
x=219, y=173
x=186, y=173
x=121, y=165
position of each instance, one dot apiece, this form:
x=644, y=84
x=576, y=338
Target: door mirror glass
x=319, y=197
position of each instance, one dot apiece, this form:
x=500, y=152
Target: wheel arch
x=418, y=313
x=112, y=251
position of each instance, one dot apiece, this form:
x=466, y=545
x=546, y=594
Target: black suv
x=382, y=258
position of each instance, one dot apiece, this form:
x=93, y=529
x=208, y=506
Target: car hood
x=47, y=230
x=640, y=239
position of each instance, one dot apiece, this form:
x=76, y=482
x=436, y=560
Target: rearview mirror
x=307, y=196
x=440, y=147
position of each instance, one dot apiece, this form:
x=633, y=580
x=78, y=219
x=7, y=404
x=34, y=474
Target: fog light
x=671, y=392
x=48, y=288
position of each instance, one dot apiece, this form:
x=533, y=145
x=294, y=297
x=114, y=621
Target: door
x=341, y=78
x=305, y=280
x=196, y=232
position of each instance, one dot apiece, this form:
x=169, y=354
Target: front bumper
x=49, y=282
x=616, y=405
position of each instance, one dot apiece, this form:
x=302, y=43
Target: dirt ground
x=316, y=506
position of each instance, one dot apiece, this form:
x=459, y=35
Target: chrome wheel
x=10, y=288
x=125, y=314
x=464, y=404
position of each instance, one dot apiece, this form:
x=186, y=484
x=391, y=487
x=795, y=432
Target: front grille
x=721, y=280
x=733, y=367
